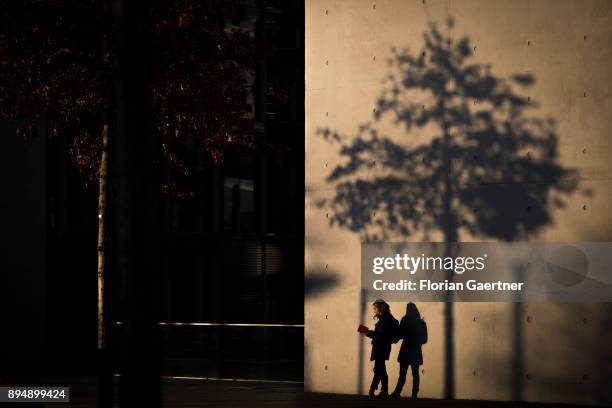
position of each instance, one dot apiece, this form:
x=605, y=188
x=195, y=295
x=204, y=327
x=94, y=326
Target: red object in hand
x=362, y=329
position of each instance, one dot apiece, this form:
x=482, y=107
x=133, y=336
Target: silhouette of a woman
x=413, y=332
x=382, y=337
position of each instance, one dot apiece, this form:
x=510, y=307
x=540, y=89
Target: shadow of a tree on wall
x=473, y=159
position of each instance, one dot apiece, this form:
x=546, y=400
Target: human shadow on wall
x=413, y=330
x=474, y=159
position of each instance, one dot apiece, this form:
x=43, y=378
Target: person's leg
x=415, y=380
x=401, y=380
x=376, y=378
x=384, y=379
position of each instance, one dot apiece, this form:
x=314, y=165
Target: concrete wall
x=502, y=351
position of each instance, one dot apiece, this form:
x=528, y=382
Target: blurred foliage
x=58, y=61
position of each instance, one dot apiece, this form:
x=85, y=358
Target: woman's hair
x=382, y=307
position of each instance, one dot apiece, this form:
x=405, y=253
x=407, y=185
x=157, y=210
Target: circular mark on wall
x=567, y=265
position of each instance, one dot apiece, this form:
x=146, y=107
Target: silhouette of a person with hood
x=413, y=332
x=385, y=330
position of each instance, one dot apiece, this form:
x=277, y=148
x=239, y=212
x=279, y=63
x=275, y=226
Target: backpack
x=422, y=331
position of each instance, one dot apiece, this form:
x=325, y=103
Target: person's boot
x=371, y=393
x=395, y=395
x=414, y=395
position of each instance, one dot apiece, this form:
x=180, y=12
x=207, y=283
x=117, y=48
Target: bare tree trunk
x=102, y=179
x=105, y=379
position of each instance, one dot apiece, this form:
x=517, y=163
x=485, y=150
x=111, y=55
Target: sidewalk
x=239, y=395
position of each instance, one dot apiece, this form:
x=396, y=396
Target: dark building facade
x=232, y=252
